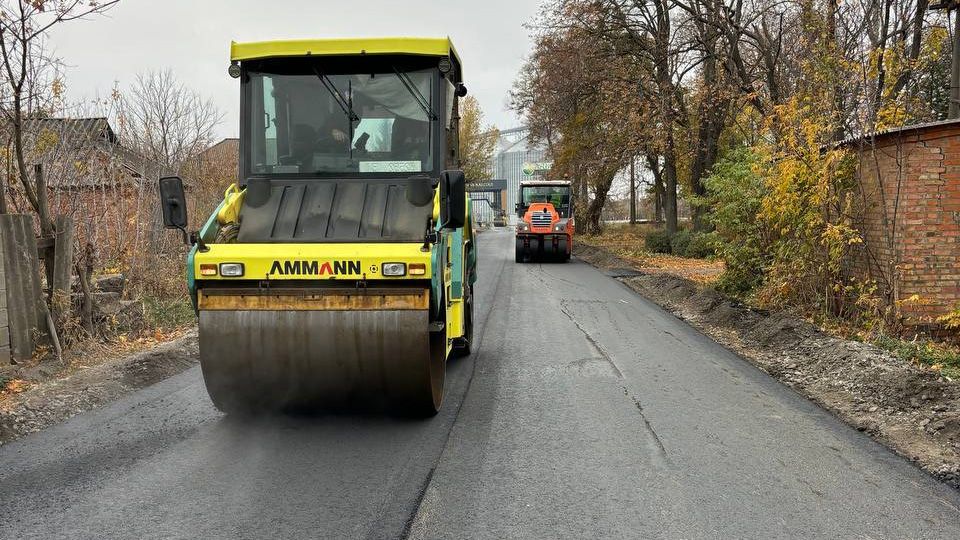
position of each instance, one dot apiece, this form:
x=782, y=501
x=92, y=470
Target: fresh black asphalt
x=584, y=412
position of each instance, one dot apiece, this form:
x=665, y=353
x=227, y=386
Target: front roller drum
x=267, y=360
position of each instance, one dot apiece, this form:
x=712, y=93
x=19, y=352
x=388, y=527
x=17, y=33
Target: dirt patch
x=912, y=410
x=623, y=241
x=81, y=388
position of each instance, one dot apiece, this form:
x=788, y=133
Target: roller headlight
x=231, y=269
x=523, y=226
x=560, y=226
x=393, y=269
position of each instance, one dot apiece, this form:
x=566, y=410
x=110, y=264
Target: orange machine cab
x=546, y=222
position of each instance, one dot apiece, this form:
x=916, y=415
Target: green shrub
x=657, y=241
x=679, y=243
x=922, y=351
x=168, y=313
x=700, y=246
x=735, y=193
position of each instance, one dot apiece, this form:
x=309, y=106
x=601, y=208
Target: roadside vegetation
x=739, y=112
x=651, y=250
x=86, y=172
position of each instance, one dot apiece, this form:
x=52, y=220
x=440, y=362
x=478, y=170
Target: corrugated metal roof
x=80, y=130
x=902, y=130
x=86, y=153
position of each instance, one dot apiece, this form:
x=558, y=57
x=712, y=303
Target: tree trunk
x=595, y=209
x=834, y=47
x=583, y=199
x=670, y=184
x=712, y=111
x=84, y=271
x=666, y=89
x=3, y=195
x=633, y=191
x=654, y=163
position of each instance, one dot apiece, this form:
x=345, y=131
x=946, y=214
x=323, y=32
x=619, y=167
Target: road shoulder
x=81, y=390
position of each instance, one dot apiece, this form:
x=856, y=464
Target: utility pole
x=952, y=6
x=633, y=191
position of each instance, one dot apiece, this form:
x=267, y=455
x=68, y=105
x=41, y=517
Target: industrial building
x=513, y=151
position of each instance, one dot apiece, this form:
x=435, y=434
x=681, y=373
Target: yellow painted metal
x=421, y=46
x=455, y=322
x=232, y=201
x=315, y=300
x=436, y=206
x=312, y=261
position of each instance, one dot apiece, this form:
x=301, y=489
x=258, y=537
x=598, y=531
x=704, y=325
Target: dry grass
x=627, y=242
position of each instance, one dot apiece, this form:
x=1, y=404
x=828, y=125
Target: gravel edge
x=56, y=401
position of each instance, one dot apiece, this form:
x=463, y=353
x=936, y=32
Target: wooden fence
x=23, y=309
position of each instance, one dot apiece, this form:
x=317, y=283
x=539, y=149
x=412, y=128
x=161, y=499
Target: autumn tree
x=580, y=97
x=765, y=89
x=477, y=141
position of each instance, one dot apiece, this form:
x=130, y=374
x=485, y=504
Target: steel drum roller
x=273, y=359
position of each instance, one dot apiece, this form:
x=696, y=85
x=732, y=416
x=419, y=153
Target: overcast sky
x=193, y=39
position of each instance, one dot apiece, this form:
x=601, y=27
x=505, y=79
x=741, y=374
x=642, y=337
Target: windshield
x=558, y=196
x=301, y=122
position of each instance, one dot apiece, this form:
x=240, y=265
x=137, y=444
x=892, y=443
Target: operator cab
x=346, y=116
x=555, y=193
x=347, y=140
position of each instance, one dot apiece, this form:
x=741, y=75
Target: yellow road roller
x=339, y=269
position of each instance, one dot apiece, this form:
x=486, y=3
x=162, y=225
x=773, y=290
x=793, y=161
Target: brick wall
x=908, y=209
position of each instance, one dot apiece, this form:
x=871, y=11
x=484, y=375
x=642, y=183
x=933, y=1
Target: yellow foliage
x=951, y=320
x=14, y=386
x=807, y=202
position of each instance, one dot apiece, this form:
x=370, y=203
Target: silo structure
x=512, y=154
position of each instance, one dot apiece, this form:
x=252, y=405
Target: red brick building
x=908, y=209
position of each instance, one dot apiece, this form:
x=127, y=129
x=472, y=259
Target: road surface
x=584, y=412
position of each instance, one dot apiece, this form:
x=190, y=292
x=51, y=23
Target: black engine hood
x=338, y=210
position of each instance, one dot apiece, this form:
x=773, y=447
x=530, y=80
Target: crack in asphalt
x=646, y=422
x=558, y=278
x=661, y=450
x=593, y=342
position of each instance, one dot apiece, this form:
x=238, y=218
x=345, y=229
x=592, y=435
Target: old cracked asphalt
x=585, y=412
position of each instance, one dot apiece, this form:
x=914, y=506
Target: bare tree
x=27, y=75
x=165, y=121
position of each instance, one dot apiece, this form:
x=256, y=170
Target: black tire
x=518, y=253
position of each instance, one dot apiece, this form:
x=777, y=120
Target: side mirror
x=453, y=199
x=519, y=210
x=173, y=202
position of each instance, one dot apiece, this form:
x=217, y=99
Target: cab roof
x=420, y=46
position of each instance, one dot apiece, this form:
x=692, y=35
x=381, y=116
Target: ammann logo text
x=314, y=268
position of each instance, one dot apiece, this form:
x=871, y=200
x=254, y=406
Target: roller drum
x=256, y=360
